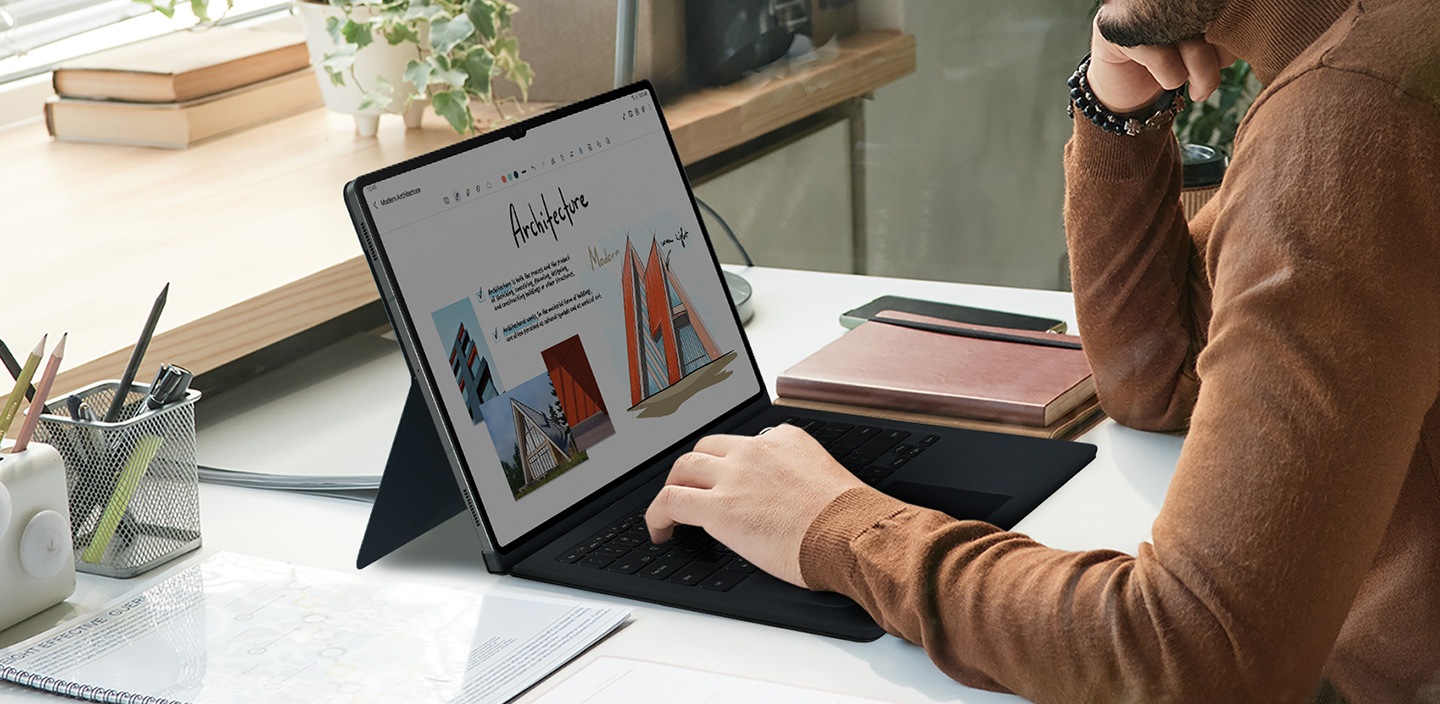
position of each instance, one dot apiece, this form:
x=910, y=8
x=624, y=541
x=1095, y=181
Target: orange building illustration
x=665, y=337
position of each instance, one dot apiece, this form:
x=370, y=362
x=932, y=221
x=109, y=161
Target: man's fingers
x=675, y=504
x=695, y=469
x=1163, y=62
x=1203, y=66
x=719, y=445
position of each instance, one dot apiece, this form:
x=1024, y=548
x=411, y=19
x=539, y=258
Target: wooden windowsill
x=250, y=229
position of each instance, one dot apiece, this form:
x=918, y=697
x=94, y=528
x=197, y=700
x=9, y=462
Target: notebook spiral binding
x=75, y=690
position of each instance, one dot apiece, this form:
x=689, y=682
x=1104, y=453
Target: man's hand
x=757, y=495
x=1126, y=79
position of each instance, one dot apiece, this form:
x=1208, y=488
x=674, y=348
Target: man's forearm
x=1131, y=260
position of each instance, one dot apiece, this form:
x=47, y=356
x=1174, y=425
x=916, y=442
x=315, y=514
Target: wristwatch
x=1151, y=117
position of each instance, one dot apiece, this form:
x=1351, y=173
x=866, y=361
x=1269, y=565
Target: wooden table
x=250, y=229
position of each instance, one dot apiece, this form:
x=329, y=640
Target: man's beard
x=1156, y=22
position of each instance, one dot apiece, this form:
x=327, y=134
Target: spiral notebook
x=237, y=628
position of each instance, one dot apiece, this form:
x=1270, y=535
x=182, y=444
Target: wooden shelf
x=250, y=229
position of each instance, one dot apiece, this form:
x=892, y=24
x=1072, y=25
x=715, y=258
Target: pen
x=136, y=355
x=14, y=368
x=7, y=414
x=169, y=386
x=1049, y=341
x=37, y=408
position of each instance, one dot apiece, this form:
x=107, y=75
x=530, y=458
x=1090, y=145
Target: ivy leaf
x=356, y=33
x=477, y=66
x=506, y=51
x=398, y=33
x=505, y=10
x=521, y=75
x=454, y=77
x=332, y=27
x=337, y=63
x=445, y=34
x=201, y=10
x=423, y=11
x=482, y=15
x=418, y=74
x=454, y=106
x=377, y=99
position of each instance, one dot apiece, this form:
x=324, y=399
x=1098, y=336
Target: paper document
x=610, y=680
x=237, y=628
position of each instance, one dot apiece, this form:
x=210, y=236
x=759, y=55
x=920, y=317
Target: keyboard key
x=692, y=574
x=837, y=427
x=901, y=449
x=629, y=541
x=713, y=556
x=882, y=443
x=688, y=550
x=876, y=473
x=612, y=551
x=857, y=436
x=913, y=452
x=663, y=567
x=741, y=564
x=863, y=459
x=929, y=440
x=632, y=563
x=597, y=561
x=570, y=557
x=723, y=580
x=654, y=550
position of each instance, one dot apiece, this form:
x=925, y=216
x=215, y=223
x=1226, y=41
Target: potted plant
x=377, y=56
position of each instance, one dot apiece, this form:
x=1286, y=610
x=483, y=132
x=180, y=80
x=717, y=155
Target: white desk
x=1110, y=504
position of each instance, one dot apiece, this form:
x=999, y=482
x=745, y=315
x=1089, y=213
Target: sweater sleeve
x=1321, y=364
x=1132, y=269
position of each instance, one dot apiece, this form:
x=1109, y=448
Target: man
x=1293, y=327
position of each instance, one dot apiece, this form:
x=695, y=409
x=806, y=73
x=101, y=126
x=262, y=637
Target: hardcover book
x=884, y=366
x=183, y=66
x=178, y=125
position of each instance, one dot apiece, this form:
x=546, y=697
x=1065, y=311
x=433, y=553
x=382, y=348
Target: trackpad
x=963, y=504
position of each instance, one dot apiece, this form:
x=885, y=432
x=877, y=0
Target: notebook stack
x=928, y=370
x=178, y=89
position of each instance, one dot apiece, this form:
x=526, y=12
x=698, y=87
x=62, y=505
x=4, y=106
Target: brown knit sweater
x=1294, y=328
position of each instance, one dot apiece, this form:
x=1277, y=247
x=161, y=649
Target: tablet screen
x=568, y=306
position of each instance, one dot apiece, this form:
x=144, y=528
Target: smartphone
x=952, y=312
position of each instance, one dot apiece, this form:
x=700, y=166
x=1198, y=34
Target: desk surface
x=251, y=230
x=1110, y=504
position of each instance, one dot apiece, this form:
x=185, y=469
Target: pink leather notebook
x=885, y=366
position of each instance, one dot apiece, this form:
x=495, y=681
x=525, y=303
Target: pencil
x=14, y=368
x=136, y=356
x=42, y=392
x=7, y=414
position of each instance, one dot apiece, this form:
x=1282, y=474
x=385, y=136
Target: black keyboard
x=870, y=452
x=692, y=558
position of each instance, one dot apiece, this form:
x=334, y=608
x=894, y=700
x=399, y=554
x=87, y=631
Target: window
x=36, y=35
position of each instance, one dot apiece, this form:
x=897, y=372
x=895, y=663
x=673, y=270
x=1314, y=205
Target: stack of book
x=178, y=89
x=913, y=368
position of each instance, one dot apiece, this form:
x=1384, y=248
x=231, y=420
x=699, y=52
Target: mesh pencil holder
x=134, y=489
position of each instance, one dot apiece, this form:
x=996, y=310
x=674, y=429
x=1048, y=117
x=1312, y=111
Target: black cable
x=726, y=227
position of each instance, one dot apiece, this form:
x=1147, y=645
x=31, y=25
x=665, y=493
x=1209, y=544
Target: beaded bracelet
x=1151, y=117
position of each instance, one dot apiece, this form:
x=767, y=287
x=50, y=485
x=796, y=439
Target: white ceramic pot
x=377, y=60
